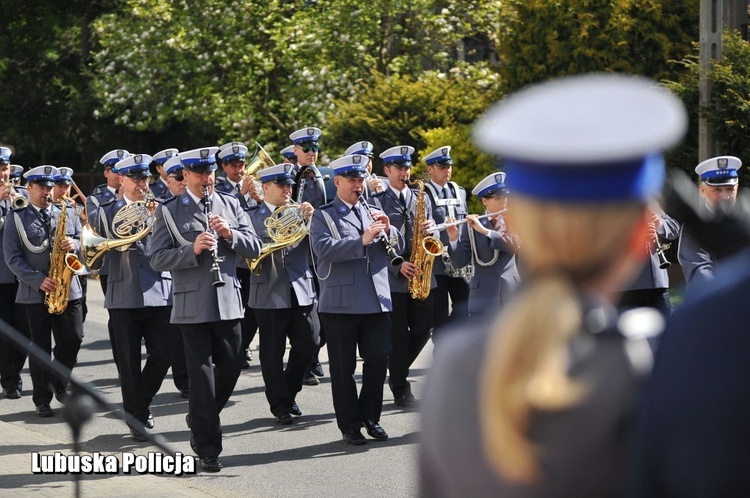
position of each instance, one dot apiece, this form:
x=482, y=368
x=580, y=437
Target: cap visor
x=201, y=168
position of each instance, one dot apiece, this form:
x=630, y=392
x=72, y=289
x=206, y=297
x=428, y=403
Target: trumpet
x=218, y=281
x=390, y=244
x=16, y=199
x=443, y=226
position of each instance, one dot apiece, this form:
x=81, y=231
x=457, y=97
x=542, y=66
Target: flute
x=396, y=260
x=218, y=281
x=443, y=226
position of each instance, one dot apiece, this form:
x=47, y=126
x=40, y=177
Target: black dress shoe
x=406, y=400
x=149, y=421
x=248, y=355
x=138, y=436
x=60, y=393
x=185, y=393
x=317, y=369
x=294, y=410
x=354, y=437
x=44, y=410
x=211, y=464
x=310, y=379
x=12, y=393
x=284, y=418
x=375, y=431
x=245, y=365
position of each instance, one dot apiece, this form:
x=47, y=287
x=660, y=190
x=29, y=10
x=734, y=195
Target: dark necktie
x=356, y=213
x=45, y=216
x=402, y=199
x=445, y=193
x=237, y=188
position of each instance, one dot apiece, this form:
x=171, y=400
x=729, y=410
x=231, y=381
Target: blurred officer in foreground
x=539, y=402
x=718, y=193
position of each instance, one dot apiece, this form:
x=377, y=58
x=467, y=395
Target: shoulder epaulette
x=326, y=206
x=171, y=199
x=230, y=194
x=107, y=203
x=252, y=208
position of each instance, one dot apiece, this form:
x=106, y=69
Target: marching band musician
x=139, y=300
x=411, y=319
x=160, y=186
x=27, y=243
x=177, y=185
x=11, y=359
x=175, y=178
x=719, y=184
x=373, y=184
x=491, y=247
x=306, y=145
x=63, y=183
x=289, y=155
x=231, y=157
x=197, y=238
x=354, y=307
x=103, y=194
x=15, y=176
x=283, y=297
x=448, y=201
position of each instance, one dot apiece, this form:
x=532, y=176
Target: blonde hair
x=524, y=368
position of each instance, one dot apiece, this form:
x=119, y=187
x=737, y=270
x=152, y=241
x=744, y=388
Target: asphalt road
x=261, y=458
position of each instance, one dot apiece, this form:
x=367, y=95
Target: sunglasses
x=308, y=148
x=178, y=176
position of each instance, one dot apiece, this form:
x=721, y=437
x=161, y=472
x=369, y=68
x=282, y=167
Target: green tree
x=543, y=39
x=728, y=113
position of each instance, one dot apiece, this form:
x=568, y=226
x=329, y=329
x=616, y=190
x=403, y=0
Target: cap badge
x=500, y=178
x=723, y=162
x=204, y=153
x=287, y=167
x=357, y=159
x=120, y=153
x=138, y=159
x=364, y=145
x=444, y=151
x=169, y=153
x=47, y=170
x=404, y=151
x=236, y=149
x=311, y=131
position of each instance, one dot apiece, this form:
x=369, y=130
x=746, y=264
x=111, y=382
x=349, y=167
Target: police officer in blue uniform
x=355, y=298
x=160, y=186
x=207, y=304
x=283, y=297
x=11, y=359
x=448, y=202
x=27, y=243
x=103, y=194
x=176, y=183
x=719, y=183
x=492, y=249
x=373, y=183
x=231, y=156
x=411, y=319
x=138, y=299
x=288, y=154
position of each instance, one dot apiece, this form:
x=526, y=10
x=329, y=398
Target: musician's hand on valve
x=5, y=192
x=220, y=226
x=48, y=285
x=473, y=221
x=204, y=241
x=67, y=244
x=376, y=184
x=409, y=270
x=372, y=232
x=428, y=224
x=307, y=210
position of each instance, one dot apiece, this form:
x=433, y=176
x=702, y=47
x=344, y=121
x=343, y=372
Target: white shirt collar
x=270, y=206
x=112, y=189
x=195, y=198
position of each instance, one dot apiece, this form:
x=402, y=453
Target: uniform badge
x=357, y=159
x=288, y=167
x=169, y=153
x=263, y=210
x=185, y=201
x=405, y=152
x=444, y=151
x=138, y=159
x=236, y=149
x=120, y=153
x=48, y=170
x=342, y=209
x=204, y=154
x=723, y=162
x=311, y=131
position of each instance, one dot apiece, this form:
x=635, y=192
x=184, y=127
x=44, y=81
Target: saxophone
x=63, y=265
x=424, y=248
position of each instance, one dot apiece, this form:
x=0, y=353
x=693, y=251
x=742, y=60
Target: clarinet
x=218, y=281
x=396, y=260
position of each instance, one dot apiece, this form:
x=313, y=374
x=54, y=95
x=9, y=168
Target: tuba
x=286, y=227
x=424, y=249
x=63, y=265
x=260, y=160
x=130, y=224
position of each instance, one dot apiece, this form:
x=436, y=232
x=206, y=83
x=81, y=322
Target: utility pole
x=711, y=26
